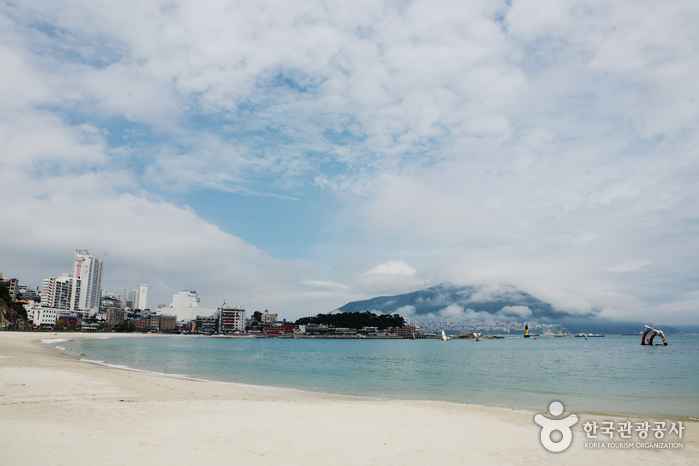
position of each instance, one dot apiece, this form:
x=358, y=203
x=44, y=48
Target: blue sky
x=295, y=156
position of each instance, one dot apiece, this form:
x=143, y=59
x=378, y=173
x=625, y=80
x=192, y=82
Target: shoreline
x=81, y=358
x=72, y=355
x=87, y=336
x=167, y=419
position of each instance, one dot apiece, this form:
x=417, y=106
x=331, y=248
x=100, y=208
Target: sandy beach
x=55, y=409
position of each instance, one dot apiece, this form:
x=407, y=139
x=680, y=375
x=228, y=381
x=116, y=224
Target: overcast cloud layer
x=295, y=156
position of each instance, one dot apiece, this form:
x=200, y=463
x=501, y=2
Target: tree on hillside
x=355, y=320
x=11, y=310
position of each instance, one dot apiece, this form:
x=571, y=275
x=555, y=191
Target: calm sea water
x=614, y=374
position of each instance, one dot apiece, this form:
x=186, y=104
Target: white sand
x=57, y=410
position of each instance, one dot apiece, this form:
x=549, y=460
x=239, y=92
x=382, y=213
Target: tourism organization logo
x=562, y=425
x=653, y=434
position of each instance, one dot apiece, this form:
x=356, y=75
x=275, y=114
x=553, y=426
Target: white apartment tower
x=88, y=269
x=129, y=298
x=142, y=297
x=61, y=293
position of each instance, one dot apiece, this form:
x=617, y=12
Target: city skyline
x=300, y=157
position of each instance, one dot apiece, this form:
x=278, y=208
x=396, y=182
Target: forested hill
x=356, y=320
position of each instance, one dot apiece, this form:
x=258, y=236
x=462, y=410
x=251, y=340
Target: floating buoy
x=535, y=338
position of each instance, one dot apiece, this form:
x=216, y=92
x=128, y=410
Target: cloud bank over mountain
x=449, y=303
x=464, y=302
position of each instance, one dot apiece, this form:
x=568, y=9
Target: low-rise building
x=115, y=316
x=43, y=316
x=167, y=323
x=141, y=324
x=406, y=331
x=73, y=321
x=268, y=318
x=317, y=329
x=278, y=328
x=206, y=325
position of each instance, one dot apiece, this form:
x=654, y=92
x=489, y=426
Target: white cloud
x=516, y=311
x=452, y=311
x=629, y=266
x=406, y=311
x=392, y=267
x=324, y=284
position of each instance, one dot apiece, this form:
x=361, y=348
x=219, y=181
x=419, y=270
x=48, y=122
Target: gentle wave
x=221, y=382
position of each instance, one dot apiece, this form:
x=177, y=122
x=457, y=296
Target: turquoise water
x=613, y=375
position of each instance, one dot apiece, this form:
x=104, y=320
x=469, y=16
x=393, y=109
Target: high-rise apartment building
x=61, y=293
x=129, y=298
x=142, y=297
x=88, y=269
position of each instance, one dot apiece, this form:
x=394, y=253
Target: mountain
x=446, y=300
x=504, y=303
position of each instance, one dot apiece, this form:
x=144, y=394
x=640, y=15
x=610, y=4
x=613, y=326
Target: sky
x=297, y=155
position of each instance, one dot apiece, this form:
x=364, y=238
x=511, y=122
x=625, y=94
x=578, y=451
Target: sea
x=609, y=375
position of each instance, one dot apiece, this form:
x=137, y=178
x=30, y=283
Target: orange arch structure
x=654, y=333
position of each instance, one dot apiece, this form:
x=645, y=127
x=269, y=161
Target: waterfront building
x=268, y=318
x=206, y=325
x=140, y=323
x=88, y=269
x=185, y=305
x=278, y=328
x=406, y=331
x=231, y=319
x=73, y=321
x=317, y=329
x=61, y=293
x=166, y=323
x=115, y=316
x=159, y=322
x=142, y=297
x=43, y=316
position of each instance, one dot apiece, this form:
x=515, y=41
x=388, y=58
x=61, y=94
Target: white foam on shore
x=51, y=341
